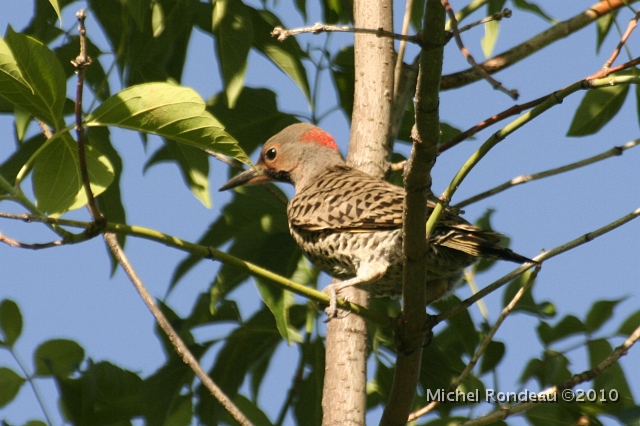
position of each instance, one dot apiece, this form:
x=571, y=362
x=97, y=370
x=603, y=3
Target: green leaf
x=611, y=378
x=251, y=410
x=56, y=7
x=110, y=201
x=630, y=324
x=343, y=72
x=532, y=7
x=59, y=357
x=254, y=119
x=32, y=78
x=527, y=302
x=252, y=341
x=286, y=54
x=279, y=301
x=10, y=322
x=10, y=168
x=551, y=370
x=104, y=394
x=603, y=26
x=57, y=180
x=233, y=27
x=491, y=28
x=600, y=313
x=10, y=383
x=256, y=221
x=568, y=326
x=492, y=356
x=193, y=163
x=308, y=404
x=157, y=19
x=167, y=110
x=417, y=13
x=597, y=108
x=22, y=121
x=95, y=76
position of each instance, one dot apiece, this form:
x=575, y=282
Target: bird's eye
x=271, y=154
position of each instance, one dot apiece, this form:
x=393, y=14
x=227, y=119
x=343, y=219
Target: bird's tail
x=480, y=243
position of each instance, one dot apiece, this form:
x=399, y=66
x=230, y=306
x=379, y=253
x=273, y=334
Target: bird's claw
x=332, y=309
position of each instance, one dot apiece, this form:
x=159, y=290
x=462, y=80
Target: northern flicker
x=349, y=224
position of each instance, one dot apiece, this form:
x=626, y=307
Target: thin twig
x=513, y=94
x=514, y=110
x=498, y=16
x=282, y=33
x=232, y=162
x=402, y=46
x=534, y=44
x=632, y=25
x=180, y=347
x=576, y=379
x=81, y=62
x=36, y=246
x=483, y=347
x=613, y=152
x=540, y=258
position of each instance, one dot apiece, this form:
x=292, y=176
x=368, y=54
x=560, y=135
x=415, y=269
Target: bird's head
x=295, y=155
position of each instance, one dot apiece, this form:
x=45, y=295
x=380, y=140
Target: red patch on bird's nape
x=320, y=137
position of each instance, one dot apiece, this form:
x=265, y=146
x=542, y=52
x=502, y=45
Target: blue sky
x=67, y=292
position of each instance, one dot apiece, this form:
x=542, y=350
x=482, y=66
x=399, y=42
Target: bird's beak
x=248, y=177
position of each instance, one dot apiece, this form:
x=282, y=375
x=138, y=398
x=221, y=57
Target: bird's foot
x=332, y=310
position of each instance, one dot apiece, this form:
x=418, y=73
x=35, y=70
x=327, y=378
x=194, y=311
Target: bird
x=349, y=223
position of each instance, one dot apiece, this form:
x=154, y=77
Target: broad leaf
x=110, y=201
x=32, y=78
x=10, y=322
x=286, y=54
x=57, y=180
x=56, y=7
x=603, y=26
x=10, y=384
x=611, y=378
x=527, y=303
x=175, y=112
x=551, y=370
x=343, y=72
x=104, y=394
x=491, y=28
x=59, y=357
x=233, y=27
x=597, y=108
x=193, y=163
x=568, y=326
x=630, y=324
x=492, y=356
x=600, y=312
x=534, y=8
x=254, y=119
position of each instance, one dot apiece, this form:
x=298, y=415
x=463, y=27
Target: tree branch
x=483, y=346
x=513, y=94
x=576, y=379
x=215, y=254
x=180, y=347
x=540, y=258
x=410, y=330
x=521, y=51
x=613, y=152
x=81, y=62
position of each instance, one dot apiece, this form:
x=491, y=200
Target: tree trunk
x=344, y=396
